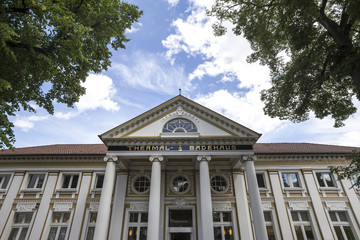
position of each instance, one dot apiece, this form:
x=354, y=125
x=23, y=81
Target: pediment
x=208, y=123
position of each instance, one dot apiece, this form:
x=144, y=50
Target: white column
x=205, y=199
x=154, y=200
x=242, y=206
x=353, y=198
x=255, y=200
x=281, y=211
x=103, y=217
x=318, y=207
x=118, y=207
x=41, y=215
x=80, y=205
x=6, y=207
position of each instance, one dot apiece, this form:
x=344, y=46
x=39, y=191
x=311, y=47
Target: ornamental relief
x=221, y=206
x=180, y=113
x=62, y=206
x=336, y=205
x=298, y=205
x=26, y=207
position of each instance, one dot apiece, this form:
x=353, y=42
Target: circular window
x=219, y=184
x=141, y=184
x=180, y=184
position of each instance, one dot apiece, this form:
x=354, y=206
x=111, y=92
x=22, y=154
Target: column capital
x=203, y=157
x=245, y=158
x=156, y=158
x=111, y=158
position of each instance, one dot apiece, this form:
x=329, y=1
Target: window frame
x=326, y=188
x=301, y=187
x=176, y=176
x=89, y=224
x=59, y=225
x=24, y=187
x=303, y=223
x=274, y=222
x=134, y=180
x=10, y=177
x=226, y=181
x=267, y=188
x=21, y=225
x=138, y=224
x=341, y=224
x=223, y=224
x=59, y=187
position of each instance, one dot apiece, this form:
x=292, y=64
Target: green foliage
x=49, y=47
x=351, y=172
x=321, y=42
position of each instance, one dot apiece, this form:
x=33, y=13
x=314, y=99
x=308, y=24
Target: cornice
x=141, y=141
x=52, y=158
x=321, y=157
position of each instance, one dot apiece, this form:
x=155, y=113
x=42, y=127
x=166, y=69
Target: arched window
x=179, y=125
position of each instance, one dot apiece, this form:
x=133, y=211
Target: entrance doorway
x=180, y=236
x=180, y=224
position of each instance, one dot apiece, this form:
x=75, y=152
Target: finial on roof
x=179, y=91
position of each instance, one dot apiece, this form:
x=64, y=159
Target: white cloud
x=173, y=2
x=100, y=92
x=26, y=123
x=152, y=71
x=246, y=109
x=134, y=29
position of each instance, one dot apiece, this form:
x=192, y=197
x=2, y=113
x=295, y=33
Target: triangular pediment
x=208, y=123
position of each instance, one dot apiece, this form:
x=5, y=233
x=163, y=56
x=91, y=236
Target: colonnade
x=103, y=219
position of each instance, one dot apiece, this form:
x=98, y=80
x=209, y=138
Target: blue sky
x=173, y=47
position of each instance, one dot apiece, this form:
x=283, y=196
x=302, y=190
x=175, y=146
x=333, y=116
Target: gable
x=151, y=123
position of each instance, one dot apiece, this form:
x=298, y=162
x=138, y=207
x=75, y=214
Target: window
x=325, y=179
x=302, y=225
x=70, y=181
x=91, y=226
x=219, y=184
x=137, y=229
x=179, y=125
x=36, y=181
x=291, y=180
x=269, y=225
x=261, y=180
x=141, y=184
x=99, y=180
x=4, y=180
x=341, y=224
x=20, y=225
x=223, y=226
x=180, y=184
x=59, y=225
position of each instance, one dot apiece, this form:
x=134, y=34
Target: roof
x=259, y=148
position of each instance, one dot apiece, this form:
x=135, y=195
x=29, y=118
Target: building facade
x=178, y=171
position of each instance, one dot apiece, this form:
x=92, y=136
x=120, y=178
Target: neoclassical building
x=178, y=171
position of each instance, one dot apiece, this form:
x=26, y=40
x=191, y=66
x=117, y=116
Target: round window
x=141, y=184
x=180, y=184
x=219, y=184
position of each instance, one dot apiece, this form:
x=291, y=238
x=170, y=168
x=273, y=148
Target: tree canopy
x=321, y=42
x=49, y=47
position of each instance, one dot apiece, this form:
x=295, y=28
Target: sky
x=173, y=46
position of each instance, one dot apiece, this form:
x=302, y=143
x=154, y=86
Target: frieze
x=180, y=148
x=299, y=205
x=139, y=206
x=266, y=205
x=221, y=206
x=336, y=205
x=180, y=203
x=62, y=206
x=26, y=206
